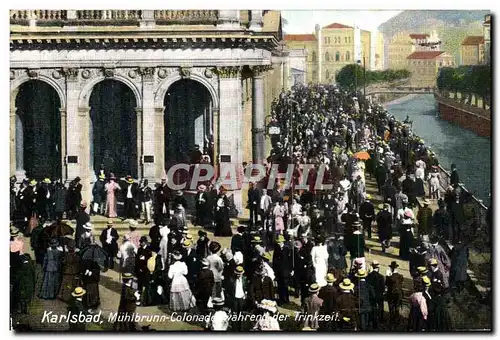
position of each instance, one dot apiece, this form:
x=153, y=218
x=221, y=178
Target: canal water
x=450, y=143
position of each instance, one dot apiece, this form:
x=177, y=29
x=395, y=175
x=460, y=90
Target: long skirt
x=69, y=283
x=50, y=286
x=182, y=301
x=93, y=299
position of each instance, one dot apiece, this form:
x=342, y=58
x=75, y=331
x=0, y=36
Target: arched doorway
x=188, y=121
x=113, y=128
x=38, y=130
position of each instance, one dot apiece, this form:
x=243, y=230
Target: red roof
x=425, y=55
x=418, y=36
x=473, y=40
x=300, y=37
x=337, y=25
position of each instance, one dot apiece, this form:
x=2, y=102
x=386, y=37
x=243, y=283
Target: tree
x=353, y=74
x=350, y=76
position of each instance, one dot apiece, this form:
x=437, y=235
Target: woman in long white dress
x=319, y=255
x=181, y=298
x=111, y=189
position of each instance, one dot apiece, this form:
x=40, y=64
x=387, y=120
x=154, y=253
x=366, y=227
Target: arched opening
x=188, y=121
x=113, y=129
x=38, y=130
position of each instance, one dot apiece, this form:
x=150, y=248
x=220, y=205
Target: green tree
x=350, y=76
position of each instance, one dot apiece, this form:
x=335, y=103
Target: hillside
x=451, y=26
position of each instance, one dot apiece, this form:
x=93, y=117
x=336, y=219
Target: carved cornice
x=71, y=73
x=260, y=69
x=229, y=71
x=109, y=72
x=32, y=73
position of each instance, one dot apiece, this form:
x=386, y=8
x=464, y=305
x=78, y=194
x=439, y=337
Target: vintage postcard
x=250, y=170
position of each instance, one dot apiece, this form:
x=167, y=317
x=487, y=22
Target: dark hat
x=129, y=179
x=201, y=233
x=356, y=224
x=53, y=242
x=214, y=247
x=143, y=239
x=176, y=255
x=394, y=264
x=71, y=244
x=241, y=229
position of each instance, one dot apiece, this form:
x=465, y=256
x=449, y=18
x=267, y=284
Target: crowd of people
x=295, y=240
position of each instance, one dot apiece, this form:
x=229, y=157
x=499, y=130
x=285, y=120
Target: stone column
x=229, y=19
x=147, y=19
x=87, y=173
x=231, y=123
x=258, y=115
x=159, y=135
x=148, y=125
x=256, y=21
x=13, y=141
x=140, y=142
x=64, y=175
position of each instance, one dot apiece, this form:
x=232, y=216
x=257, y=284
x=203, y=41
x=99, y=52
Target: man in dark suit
x=282, y=266
x=367, y=214
x=384, y=224
x=82, y=218
x=261, y=287
x=237, y=241
x=141, y=263
x=454, y=180
x=191, y=261
x=394, y=284
x=45, y=200
x=131, y=194
x=204, y=286
x=162, y=199
x=328, y=294
x=202, y=205
x=253, y=203
x=237, y=288
x=364, y=294
x=377, y=282
x=346, y=304
x=154, y=233
x=109, y=242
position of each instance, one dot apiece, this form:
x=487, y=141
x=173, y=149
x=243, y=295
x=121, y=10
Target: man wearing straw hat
x=364, y=293
x=76, y=307
x=237, y=289
x=312, y=305
x=131, y=193
x=346, y=303
x=377, y=282
x=129, y=300
x=282, y=265
x=394, y=283
x=99, y=195
x=204, y=286
x=384, y=225
x=367, y=215
x=328, y=294
x=109, y=242
x=45, y=199
x=424, y=218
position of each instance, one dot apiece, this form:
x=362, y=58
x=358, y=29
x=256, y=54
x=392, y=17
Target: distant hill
x=451, y=26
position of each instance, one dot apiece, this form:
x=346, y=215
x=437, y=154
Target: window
x=315, y=75
x=337, y=56
x=327, y=56
x=346, y=40
x=347, y=56
x=327, y=76
x=314, y=56
x=440, y=63
x=326, y=40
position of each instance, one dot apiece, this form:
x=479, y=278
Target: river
x=451, y=143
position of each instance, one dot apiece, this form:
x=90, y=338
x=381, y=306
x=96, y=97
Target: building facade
x=487, y=38
x=399, y=48
x=296, y=67
x=331, y=48
x=134, y=91
x=424, y=66
x=472, y=50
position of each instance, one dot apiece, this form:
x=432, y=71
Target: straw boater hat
x=189, y=237
x=346, y=284
x=314, y=288
x=102, y=176
x=368, y=196
x=127, y=276
x=239, y=270
x=202, y=187
x=380, y=206
x=268, y=305
x=79, y=291
x=179, y=193
x=132, y=223
x=205, y=263
x=110, y=221
x=361, y=273
x=214, y=247
x=280, y=239
x=422, y=270
x=426, y=281
x=33, y=182
x=256, y=239
x=46, y=181
x=83, y=204
x=186, y=244
x=330, y=278
x=427, y=202
x=266, y=256
x=14, y=231
x=87, y=226
x=129, y=179
x=356, y=224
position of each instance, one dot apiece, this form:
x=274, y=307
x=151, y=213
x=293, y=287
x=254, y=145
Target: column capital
x=83, y=111
x=229, y=71
x=259, y=70
x=147, y=73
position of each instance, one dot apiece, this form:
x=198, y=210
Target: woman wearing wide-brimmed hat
x=268, y=322
x=111, y=187
x=181, y=298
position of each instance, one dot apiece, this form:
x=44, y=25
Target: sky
x=303, y=21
